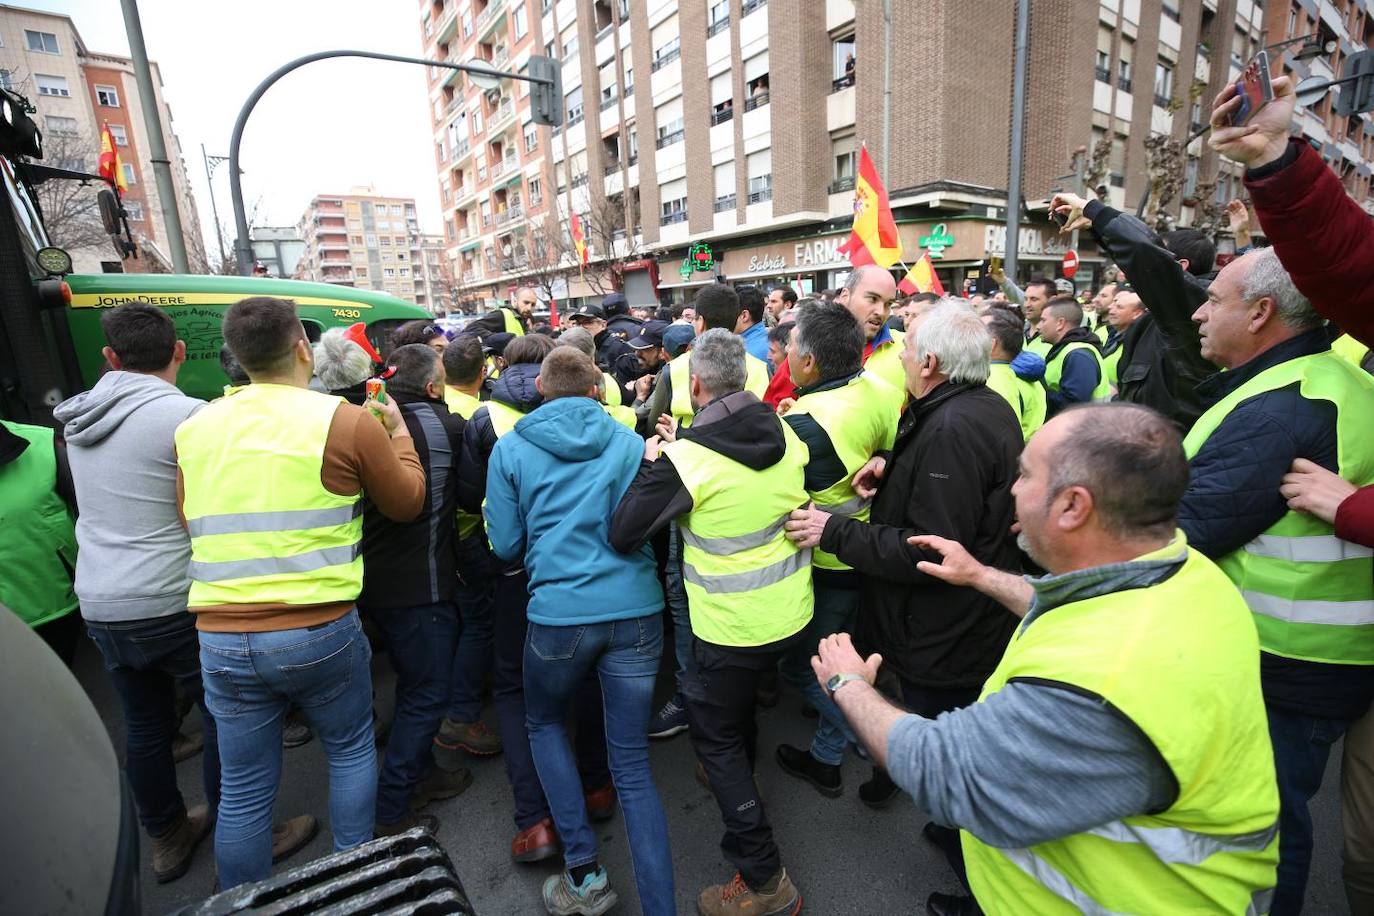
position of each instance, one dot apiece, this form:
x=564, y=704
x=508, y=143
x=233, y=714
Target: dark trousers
x=510, y=624
x=929, y=702
x=147, y=661
x=1302, y=745
x=61, y=635
x=719, y=692
x=420, y=641
x=472, y=655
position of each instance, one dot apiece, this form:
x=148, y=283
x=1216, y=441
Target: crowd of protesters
x=1091, y=582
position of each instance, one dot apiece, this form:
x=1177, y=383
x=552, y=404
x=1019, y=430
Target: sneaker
x=440, y=783
x=294, y=734
x=799, y=763
x=473, y=737
x=410, y=821
x=670, y=720
x=290, y=836
x=184, y=747
x=779, y=897
x=880, y=791
x=590, y=898
x=173, y=851
x=536, y=843
x=601, y=803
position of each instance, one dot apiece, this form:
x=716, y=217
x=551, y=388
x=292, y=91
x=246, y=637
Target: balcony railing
x=840, y=185
x=488, y=15
x=727, y=202
x=761, y=195
x=1163, y=101
x=612, y=167
x=720, y=117
x=758, y=100
x=842, y=82
x=1123, y=83
x=1103, y=74
x=751, y=5
x=607, y=103
x=678, y=216
x=579, y=180
x=486, y=220
x=720, y=25
x=666, y=59
x=670, y=139
x=515, y=211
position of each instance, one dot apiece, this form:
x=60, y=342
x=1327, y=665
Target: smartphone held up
x=1254, y=89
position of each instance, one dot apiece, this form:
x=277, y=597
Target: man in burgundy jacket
x=1326, y=243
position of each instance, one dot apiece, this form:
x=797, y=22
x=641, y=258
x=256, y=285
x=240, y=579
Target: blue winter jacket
x=552, y=483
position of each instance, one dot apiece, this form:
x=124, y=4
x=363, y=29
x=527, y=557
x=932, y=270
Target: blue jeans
x=624, y=654
x=420, y=641
x=676, y=594
x=472, y=658
x=147, y=659
x=250, y=679
x=1301, y=747
x=837, y=609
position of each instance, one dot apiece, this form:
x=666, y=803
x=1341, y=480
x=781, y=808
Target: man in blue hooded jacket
x=552, y=484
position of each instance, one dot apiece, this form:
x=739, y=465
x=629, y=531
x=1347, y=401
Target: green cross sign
x=937, y=241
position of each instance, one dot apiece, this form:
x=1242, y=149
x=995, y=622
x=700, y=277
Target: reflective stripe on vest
x=1312, y=595
x=859, y=418
x=746, y=584
x=680, y=380
x=1180, y=661
x=1054, y=369
x=264, y=530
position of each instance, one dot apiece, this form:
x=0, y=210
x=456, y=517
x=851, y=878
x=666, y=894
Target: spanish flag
x=111, y=168
x=922, y=278
x=579, y=242
x=873, y=239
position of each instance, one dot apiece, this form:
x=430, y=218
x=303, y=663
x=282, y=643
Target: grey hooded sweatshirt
x=134, y=555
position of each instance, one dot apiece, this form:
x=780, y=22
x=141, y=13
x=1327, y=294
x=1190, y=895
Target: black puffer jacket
x=515, y=388
x=950, y=474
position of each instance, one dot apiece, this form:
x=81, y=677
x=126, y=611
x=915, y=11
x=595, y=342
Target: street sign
x=1070, y=263
x=701, y=256
x=546, y=99
x=685, y=270
x=938, y=240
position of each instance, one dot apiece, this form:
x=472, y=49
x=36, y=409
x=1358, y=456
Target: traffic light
x=1358, y=95
x=546, y=99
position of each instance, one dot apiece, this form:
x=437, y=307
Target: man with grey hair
x=949, y=473
x=1284, y=395
x=342, y=365
x=730, y=481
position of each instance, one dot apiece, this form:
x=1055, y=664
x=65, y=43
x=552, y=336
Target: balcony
x=609, y=103
x=486, y=220
x=1123, y=83
x=500, y=117
x=666, y=59
x=612, y=167
x=1102, y=74
x=470, y=276
x=461, y=150
x=579, y=180
x=678, y=216
x=758, y=100
x=1163, y=101
x=515, y=211
x=344, y=279
x=505, y=165
x=720, y=117
x=720, y=25
x=487, y=18
x=751, y=5
x=670, y=139
x=841, y=185
x=762, y=194
x=728, y=202
x=843, y=82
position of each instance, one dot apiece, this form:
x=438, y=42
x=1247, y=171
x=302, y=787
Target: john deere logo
x=937, y=241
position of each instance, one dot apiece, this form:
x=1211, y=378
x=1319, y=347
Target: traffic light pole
x=243, y=246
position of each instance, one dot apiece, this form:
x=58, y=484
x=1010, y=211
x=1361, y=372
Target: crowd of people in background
x=1090, y=579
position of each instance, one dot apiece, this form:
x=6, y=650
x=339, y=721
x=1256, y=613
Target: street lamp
x=545, y=77
x=1314, y=47
x=212, y=163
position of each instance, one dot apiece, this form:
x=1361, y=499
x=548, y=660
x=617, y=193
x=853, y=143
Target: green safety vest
x=1027, y=399
x=463, y=405
x=1179, y=660
x=860, y=417
x=1111, y=364
x=503, y=417
x=1038, y=345
x=680, y=379
x=886, y=363
x=37, y=533
x=1102, y=331
x=620, y=413
x=1055, y=368
x=1349, y=349
x=264, y=530
x=1312, y=594
x=513, y=325
x=746, y=583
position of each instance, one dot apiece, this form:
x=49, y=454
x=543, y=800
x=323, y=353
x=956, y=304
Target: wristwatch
x=839, y=680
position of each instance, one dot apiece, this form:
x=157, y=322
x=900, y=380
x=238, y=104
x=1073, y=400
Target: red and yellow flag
x=922, y=278
x=111, y=168
x=873, y=239
x=579, y=242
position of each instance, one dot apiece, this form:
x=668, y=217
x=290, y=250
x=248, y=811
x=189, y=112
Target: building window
x=570, y=47
x=107, y=96
x=1103, y=70
x=667, y=54
x=134, y=209
x=670, y=133
x=371, y=240
x=130, y=176
x=1123, y=77
x=62, y=127
x=396, y=210
x=720, y=18
x=536, y=192
x=51, y=85
x=386, y=241
x=467, y=25
x=388, y=272
x=1164, y=84
x=6, y=79
x=42, y=42
x=1169, y=9
x=574, y=100
x=522, y=21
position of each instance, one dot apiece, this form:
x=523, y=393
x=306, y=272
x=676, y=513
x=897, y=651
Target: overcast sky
x=321, y=130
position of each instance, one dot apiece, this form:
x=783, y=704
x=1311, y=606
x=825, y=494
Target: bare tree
x=1164, y=164
x=71, y=212
x=611, y=242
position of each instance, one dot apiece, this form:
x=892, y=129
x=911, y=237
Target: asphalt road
x=845, y=858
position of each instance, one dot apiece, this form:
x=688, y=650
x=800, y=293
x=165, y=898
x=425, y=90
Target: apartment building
x=77, y=91
x=367, y=240
x=731, y=128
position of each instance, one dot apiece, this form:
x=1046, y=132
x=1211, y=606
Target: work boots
x=173, y=850
x=779, y=897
